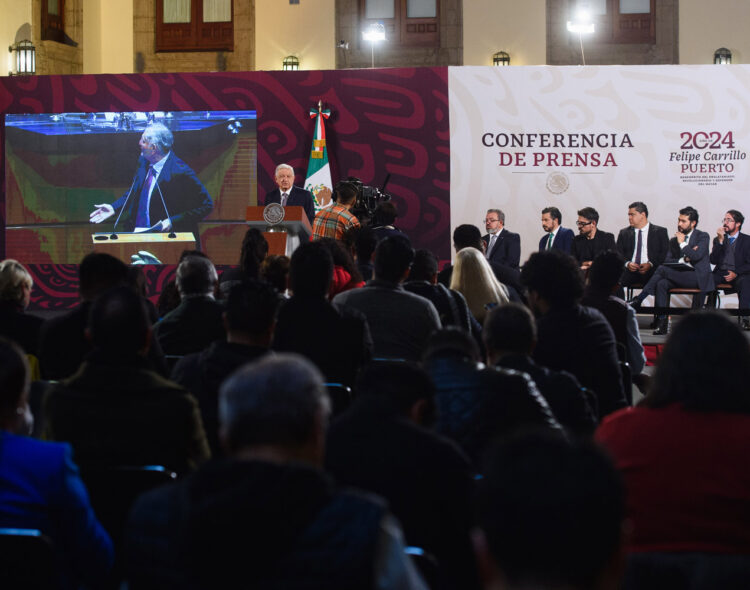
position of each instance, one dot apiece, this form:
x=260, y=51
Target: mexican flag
x=318, y=170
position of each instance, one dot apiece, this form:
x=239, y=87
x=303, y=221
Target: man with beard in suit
x=501, y=245
x=731, y=255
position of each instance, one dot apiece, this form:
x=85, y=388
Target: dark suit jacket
x=563, y=240
x=192, y=326
x=187, y=200
x=507, y=248
x=657, y=244
x=741, y=255
x=298, y=197
x=696, y=253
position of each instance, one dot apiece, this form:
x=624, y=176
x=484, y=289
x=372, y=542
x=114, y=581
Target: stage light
x=24, y=58
x=723, y=56
x=501, y=59
x=582, y=24
x=290, y=63
x=374, y=33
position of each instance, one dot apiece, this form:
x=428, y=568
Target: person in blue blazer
x=296, y=196
x=557, y=237
x=731, y=255
x=40, y=487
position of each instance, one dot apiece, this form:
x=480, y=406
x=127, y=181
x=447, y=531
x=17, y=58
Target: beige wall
x=13, y=15
x=108, y=31
x=706, y=26
x=306, y=30
x=517, y=28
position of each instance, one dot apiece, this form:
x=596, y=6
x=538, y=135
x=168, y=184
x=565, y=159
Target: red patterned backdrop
x=384, y=121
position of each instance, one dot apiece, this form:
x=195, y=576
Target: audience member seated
x=275, y=271
x=510, y=337
x=336, y=340
x=365, y=242
x=62, y=342
x=469, y=236
x=40, y=487
x=604, y=278
x=683, y=451
x=115, y=410
x=572, y=337
x=476, y=404
x=473, y=278
x=15, y=294
x=169, y=298
x=450, y=304
x=550, y=516
x=253, y=251
x=267, y=517
x=248, y=321
x=382, y=444
x=196, y=322
x=400, y=322
x=345, y=272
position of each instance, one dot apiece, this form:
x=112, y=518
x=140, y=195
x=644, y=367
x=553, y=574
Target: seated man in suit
x=557, y=237
x=501, y=245
x=731, y=255
x=643, y=245
x=590, y=241
x=289, y=195
x=688, y=251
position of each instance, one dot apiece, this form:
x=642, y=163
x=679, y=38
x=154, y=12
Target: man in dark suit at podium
x=165, y=194
x=501, y=245
x=289, y=195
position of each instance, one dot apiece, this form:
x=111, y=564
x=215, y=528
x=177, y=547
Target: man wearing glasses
x=501, y=245
x=590, y=241
x=731, y=255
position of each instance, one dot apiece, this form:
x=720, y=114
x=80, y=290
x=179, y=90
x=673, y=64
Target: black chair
x=341, y=397
x=27, y=560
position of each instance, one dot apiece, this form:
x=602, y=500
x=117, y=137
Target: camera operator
x=383, y=220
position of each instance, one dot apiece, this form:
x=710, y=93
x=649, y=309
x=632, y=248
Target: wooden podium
x=282, y=238
x=166, y=249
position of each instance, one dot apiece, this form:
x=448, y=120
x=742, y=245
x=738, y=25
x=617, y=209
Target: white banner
x=524, y=138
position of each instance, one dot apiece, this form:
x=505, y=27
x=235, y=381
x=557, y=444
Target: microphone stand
x=171, y=235
x=130, y=192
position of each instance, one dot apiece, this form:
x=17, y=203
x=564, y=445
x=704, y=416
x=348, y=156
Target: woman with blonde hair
x=15, y=294
x=473, y=278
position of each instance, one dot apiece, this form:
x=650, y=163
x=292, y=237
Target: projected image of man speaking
x=165, y=194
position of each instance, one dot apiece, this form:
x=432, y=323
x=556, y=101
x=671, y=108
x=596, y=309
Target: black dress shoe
x=662, y=328
x=635, y=303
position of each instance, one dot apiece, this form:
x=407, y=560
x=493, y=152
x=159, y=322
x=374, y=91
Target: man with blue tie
x=731, y=255
x=687, y=265
x=557, y=237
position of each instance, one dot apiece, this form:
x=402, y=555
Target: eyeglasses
x=491, y=220
x=728, y=220
x=583, y=223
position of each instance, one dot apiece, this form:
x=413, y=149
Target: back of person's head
x=467, y=236
x=393, y=258
x=342, y=257
x=13, y=278
x=551, y=513
x=473, y=277
x=14, y=382
x=251, y=307
x=385, y=214
x=606, y=270
x=99, y=272
x=425, y=266
x=509, y=328
x=705, y=366
x=691, y=213
x=311, y=270
x=118, y=322
x=401, y=385
x=345, y=192
x=252, y=252
x=554, y=276
x=451, y=342
x=277, y=401
x=365, y=242
x=275, y=270
x=196, y=275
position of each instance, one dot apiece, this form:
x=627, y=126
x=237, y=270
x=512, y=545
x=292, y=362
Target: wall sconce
x=24, y=58
x=290, y=63
x=501, y=59
x=722, y=56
